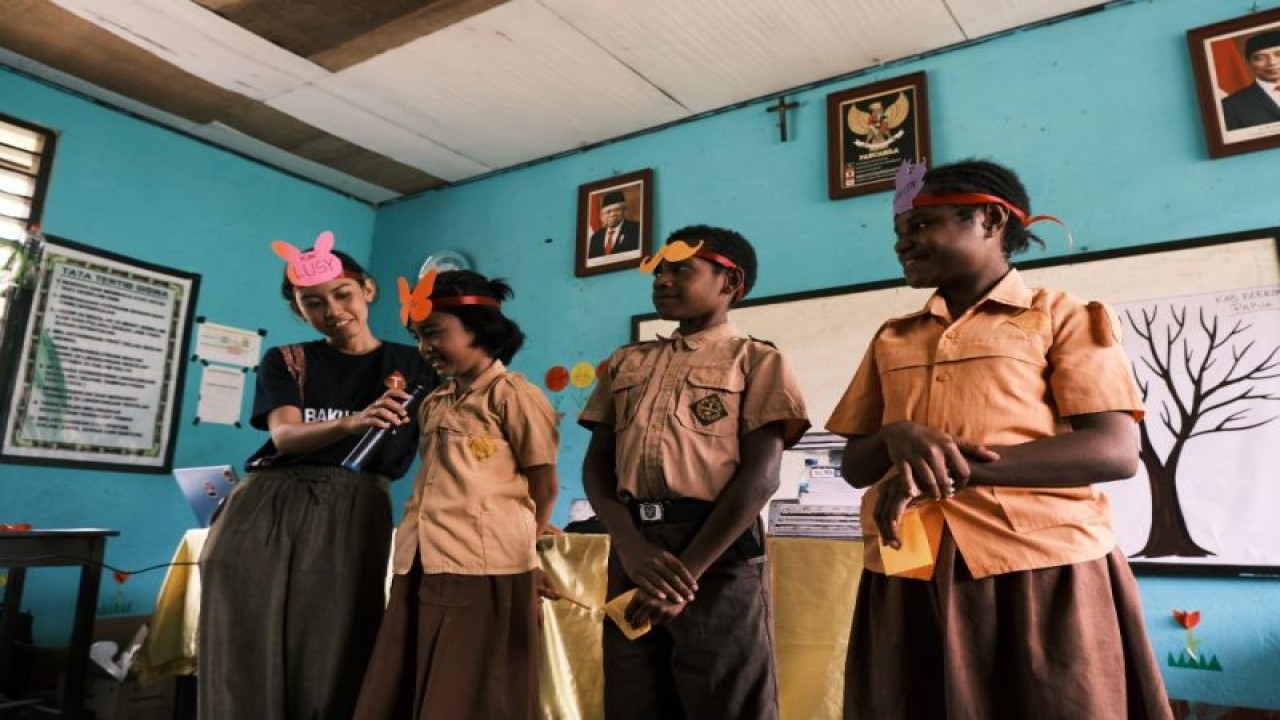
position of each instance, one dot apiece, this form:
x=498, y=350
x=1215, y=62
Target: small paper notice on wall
x=225, y=344
x=221, y=392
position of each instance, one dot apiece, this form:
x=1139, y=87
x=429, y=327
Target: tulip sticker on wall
x=1191, y=658
x=118, y=604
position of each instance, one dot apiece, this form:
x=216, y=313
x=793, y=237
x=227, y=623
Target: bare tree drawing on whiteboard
x=1211, y=374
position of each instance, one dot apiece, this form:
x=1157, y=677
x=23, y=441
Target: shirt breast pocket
x=1019, y=340
x=904, y=373
x=627, y=388
x=711, y=401
x=476, y=448
x=902, y=359
x=1027, y=510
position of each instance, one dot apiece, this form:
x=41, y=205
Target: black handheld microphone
x=374, y=438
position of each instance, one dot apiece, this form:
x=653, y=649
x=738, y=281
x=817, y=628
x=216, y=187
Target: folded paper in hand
x=617, y=609
x=914, y=552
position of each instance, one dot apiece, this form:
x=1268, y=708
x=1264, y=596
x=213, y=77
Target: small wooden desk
x=55, y=548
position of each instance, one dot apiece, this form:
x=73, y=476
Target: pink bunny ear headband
x=909, y=181
x=416, y=304
x=312, y=267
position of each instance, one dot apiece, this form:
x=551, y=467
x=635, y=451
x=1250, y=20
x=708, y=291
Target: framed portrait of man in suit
x=1237, y=73
x=871, y=129
x=615, y=223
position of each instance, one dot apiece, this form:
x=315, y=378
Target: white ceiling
x=531, y=78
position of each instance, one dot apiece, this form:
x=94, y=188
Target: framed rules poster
x=99, y=365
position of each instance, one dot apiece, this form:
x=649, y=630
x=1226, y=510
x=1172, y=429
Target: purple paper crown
x=907, y=183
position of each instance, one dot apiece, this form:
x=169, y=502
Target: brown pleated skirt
x=1065, y=642
x=454, y=647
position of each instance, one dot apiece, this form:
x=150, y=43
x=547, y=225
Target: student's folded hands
x=930, y=465
x=645, y=608
x=658, y=572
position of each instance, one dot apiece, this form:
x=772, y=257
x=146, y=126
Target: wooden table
x=55, y=548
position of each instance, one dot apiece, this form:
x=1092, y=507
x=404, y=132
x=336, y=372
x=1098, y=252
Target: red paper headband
x=467, y=300
x=962, y=198
x=926, y=199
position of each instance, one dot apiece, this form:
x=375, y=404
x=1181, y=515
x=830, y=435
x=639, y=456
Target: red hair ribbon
x=467, y=300
x=924, y=199
x=962, y=198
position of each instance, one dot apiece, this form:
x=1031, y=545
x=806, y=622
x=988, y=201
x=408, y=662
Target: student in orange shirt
x=459, y=637
x=990, y=413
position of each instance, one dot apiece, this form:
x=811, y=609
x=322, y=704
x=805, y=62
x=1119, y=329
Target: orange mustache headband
x=680, y=250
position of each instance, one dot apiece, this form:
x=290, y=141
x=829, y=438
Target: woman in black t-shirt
x=294, y=567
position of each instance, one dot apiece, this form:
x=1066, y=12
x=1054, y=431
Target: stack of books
x=793, y=518
x=827, y=507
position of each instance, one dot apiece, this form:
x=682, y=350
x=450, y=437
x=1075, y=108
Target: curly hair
x=726, y=242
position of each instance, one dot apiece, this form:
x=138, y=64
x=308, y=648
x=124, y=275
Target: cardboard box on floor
x=110, y=699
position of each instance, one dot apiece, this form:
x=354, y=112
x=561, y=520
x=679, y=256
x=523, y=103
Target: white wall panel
x=719, y=52
x=201, y=43
x=512, y=84
x=365, y=128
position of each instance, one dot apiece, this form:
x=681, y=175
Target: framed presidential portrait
x=871, y=130
x=1237, y=74
x=615, y=223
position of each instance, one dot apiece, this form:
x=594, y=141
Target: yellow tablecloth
x=170, y=647
x=814, y=582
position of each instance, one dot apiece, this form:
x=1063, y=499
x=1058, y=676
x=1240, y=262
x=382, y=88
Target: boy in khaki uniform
x=687, y=435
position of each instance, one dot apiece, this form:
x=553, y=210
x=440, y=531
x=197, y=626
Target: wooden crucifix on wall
x=781, y=107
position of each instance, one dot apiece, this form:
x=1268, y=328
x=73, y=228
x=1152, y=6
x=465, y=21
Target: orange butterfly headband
x=416, y=304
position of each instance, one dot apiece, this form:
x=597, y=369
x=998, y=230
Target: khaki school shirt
x=1008, y=371
x=470, y=512
x=679, y=407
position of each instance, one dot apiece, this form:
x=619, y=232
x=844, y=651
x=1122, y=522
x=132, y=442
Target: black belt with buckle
x=683, y=510
x=687, y=510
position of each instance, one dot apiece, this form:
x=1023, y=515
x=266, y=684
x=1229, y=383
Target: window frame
x=44, y=168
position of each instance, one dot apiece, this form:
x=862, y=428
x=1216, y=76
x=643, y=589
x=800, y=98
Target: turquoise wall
x=1099, y=115
x=145, y=192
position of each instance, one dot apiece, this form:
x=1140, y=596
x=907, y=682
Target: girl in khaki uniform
x=991, y=412
x=459, y=638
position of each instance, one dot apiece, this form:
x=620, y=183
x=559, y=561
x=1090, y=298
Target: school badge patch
x=709, y=409
x=481, y=447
